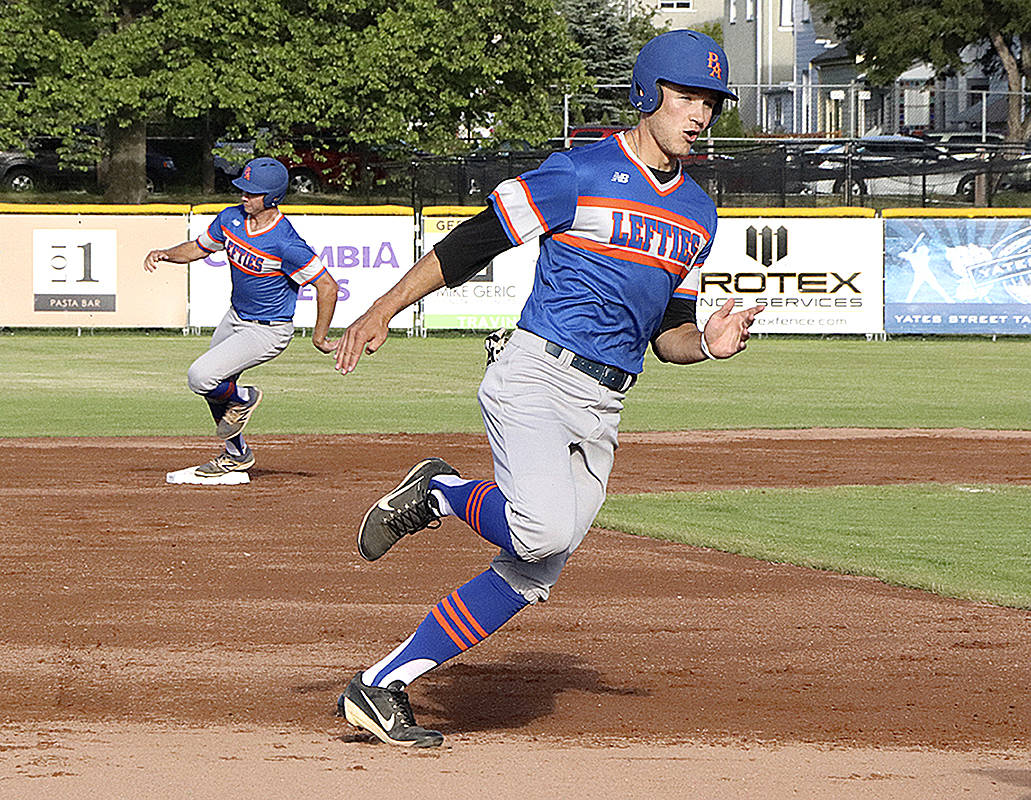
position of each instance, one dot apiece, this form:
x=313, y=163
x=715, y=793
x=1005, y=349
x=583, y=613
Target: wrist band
x=705, y=348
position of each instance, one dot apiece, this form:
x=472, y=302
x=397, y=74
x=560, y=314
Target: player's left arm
x=726, y=334
x=326, y=292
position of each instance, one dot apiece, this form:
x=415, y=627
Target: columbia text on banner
x=366, y=256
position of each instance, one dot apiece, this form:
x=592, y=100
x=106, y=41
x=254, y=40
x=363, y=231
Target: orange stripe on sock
x=469, y=502
x=448, y=630
x=468, y=616
x=487, y=488
x=458, y=621
x=472, y=507
x=474, y=517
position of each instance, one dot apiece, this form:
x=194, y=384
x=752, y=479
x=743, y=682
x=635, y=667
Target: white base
x=189, y=475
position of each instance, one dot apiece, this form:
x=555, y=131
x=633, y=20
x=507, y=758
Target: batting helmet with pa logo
x=686, y=58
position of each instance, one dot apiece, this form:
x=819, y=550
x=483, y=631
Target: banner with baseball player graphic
x=491, y=299
x=957, y=275
x=366, y=253
x=817, y=275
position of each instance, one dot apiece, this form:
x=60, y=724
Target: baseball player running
x=268, y=263
x=623, y=232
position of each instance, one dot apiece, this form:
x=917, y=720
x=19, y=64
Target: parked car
x=885, y=165
x=44, y=169
x=1006, y=172
x=965, y=143
x=313, y=167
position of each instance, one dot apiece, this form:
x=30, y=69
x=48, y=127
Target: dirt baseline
x=127, y=599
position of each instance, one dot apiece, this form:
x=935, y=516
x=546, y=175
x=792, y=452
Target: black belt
x=609, y=377
x=271, y=321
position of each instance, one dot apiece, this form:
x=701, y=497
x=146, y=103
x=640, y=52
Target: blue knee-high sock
x=225, y=392
x=466, y=616
x=481, y=505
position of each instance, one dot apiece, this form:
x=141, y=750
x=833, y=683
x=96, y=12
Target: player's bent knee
x=200, y=382
x=535, y=543
x=543, y=544
x=539, y=553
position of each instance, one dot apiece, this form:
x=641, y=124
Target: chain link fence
x=916, y=142
x=875, y=171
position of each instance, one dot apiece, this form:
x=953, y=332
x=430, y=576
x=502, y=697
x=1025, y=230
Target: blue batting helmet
x=264, y=176
x=687, y=58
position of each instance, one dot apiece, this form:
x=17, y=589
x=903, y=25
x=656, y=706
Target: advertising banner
x=86, y=269
x=815, y=275
x=491, y=299
x=957, y=275
x=366, y=255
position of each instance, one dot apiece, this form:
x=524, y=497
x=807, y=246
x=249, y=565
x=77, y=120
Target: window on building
x=975, y=91
x=732, y=16
x=749, y=10
x=677, y=5
x=786, y=13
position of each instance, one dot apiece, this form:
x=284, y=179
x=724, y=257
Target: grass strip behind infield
x=962, y=541
x=135, y=384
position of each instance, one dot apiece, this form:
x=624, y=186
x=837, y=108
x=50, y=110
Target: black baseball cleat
x=405, y=510
x=385, y=713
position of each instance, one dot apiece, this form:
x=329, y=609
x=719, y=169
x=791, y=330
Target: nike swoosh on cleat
x=386, y=723
x=384, y=502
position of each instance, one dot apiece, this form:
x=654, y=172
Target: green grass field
x=107, y=385
x=968, y=542
x=960, y=541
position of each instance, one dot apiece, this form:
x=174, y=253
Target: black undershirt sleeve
x=470, y=247
x=679, y=311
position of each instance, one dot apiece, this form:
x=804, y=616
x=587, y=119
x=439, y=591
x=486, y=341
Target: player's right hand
x=366, y=333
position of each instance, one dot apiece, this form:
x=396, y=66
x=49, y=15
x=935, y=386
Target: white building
x=759, y=39
x=679, y=14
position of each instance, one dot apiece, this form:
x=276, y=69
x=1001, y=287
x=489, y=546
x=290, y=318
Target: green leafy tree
x=267, y=68
x=423, y=71
x=608, y=35
x=892, y=34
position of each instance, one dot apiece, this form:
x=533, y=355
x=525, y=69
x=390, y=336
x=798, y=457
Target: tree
x=421, y=72
x=892, y=34
x=608, y=38
x=266, y=68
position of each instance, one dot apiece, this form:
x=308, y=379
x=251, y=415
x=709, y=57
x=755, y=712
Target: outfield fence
x=841, y=270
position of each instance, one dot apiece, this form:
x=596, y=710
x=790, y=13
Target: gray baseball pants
x=553, y=435
x=237, y=344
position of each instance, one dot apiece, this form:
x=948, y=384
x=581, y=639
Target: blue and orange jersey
x=268, y=265
x=616, y=245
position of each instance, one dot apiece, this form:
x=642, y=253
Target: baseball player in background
x=268, y=263
x=623, y=232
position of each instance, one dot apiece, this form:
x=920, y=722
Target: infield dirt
x=185, y=641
